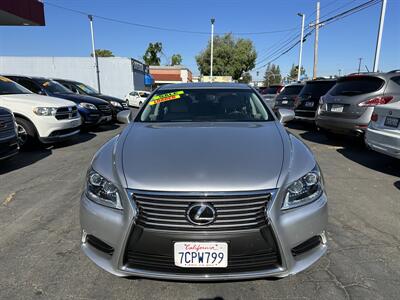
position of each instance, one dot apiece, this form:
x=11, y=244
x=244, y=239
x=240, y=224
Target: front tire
x=26, y=133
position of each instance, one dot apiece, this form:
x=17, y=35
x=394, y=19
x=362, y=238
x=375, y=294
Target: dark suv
x=8, y=134
x=80, y=88
x=347, y=108
x=92, y=110
x=288, y=95
x=307, y=102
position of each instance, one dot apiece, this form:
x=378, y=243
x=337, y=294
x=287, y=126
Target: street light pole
x=316, y=42
x=301, y=44
x=96, y=63
x=379, y=38
x=212, y=49
x=359, y=64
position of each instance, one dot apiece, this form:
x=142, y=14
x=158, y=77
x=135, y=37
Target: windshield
x=53, y=87
x=317, y=88
x=356, y=85
x=204, y=105
x=291, y=90
x=8, y=87
x=87, y=89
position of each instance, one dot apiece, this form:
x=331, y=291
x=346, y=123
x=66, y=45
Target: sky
x=341, y=43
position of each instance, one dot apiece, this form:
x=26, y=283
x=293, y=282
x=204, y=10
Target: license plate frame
x=337, y=108
x=309, y=104
x=392, y=122
x=193, y=254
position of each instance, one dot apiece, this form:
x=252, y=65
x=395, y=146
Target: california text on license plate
x=201, y=254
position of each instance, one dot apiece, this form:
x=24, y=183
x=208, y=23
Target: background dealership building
x=118, y=75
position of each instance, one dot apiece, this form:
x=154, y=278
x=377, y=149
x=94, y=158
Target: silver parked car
x=204, y=184
x=348, y=106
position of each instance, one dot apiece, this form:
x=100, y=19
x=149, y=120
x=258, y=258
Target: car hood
x=202, y=156
x=107, y=98
x=81, y=98
x=37, y=100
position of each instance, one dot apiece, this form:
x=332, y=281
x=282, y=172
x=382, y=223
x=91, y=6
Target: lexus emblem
x=201, y=214
x=390, y=113
x=3, y=124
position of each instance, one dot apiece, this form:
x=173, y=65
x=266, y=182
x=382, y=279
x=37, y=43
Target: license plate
x=285, y=102
x=392, y=122
x=201, y=254
x=309, y=104
x=337, y=108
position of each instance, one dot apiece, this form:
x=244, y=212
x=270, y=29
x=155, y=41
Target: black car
x=288, y=95
x=83, y=89
x=8, y=134
x=307, y=102
x=92, y=110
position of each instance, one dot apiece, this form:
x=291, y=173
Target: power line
x=162, y=28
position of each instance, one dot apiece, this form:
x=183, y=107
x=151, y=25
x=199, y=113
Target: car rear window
x=271, y=90
x=396, y=80
x=292, y=90
x=357, y=85
x=317, y=88
x=204, y=105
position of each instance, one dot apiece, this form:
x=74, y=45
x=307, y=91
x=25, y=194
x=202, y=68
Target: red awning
x=21, y=12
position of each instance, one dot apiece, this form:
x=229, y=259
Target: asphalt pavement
x=40, y=256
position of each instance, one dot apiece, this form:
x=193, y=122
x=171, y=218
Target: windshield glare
x=54, y=87
x=8, y=87
x=204, y=105
x=291, y=90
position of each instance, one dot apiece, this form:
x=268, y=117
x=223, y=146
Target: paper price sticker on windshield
x=166, y=97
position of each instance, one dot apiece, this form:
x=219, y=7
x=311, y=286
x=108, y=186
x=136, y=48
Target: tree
x=294, y=71
x=246, y=78
x=152, y=54
x=272, y=75
x=176, y=59
x=232, y=57
x=103, y=53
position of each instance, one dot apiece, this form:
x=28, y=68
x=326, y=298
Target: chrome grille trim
x=7, y=128
x=67, y=112
x=234, y=211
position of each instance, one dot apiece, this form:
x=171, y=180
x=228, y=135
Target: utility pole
x=379, y=38
x=212, y=49
x=316, y=42
x=340, y=72
x=359, y=64
x=96, y=63
x=301, y=44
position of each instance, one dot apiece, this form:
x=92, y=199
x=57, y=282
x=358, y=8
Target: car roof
x=29, y=77
x=205, y=85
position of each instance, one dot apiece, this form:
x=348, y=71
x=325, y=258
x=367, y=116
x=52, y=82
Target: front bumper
x=47, y=126
x=8, y=147
x=290, y=229
x=383, y=141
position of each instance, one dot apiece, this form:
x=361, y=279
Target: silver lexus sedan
x=204, y=184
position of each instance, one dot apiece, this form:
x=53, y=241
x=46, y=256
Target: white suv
x=136, y=98
x=42, y=118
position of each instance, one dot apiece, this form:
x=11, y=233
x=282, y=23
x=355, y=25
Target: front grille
x=7, y=126
x=236, y=263
x=235, y=211
x=65, y=113
x=104, y=108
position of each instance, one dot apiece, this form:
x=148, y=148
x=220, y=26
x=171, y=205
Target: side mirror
x=124, y=116
x=285, y=115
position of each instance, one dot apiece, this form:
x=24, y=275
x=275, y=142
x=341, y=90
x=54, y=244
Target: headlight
x=102, y=191
x=304, y=190
x=115, y=103
x=87, y=105
x=45, y=111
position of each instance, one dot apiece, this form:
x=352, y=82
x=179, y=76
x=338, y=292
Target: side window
x=33, y=87
x=72, y=88
x=396, y=80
